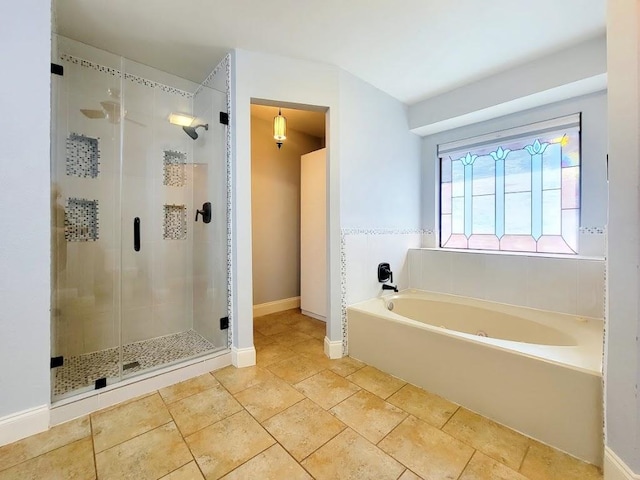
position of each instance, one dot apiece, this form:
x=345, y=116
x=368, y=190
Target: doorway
x=289, y=232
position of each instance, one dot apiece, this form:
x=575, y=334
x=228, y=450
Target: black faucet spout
x=390, y=287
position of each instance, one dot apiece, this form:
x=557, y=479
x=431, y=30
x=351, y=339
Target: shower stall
x=139, y=215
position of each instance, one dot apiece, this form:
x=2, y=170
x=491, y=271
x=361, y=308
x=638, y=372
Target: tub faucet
x=386, y=275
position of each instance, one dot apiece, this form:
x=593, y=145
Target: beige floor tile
x=319, y=358
x=545, y=463
x=260, y=340
x=349, y=456
x=272, y=328
x=376, y=382
x=345, y=366
x=184, y=389
x=369, y=415
x=498, y=442
x=70, y=462
x=430, y=453
x=188, y=472
x=290, y=338
x=272, y=463
x=313, y=347
x=148, y=456
x=315, y=328
x=327, y=388
x=273, y=353
x=127, y=420
x=237, y=379
x=223, y=446
x=202, y=409
x=271, y=397
x=294, y=369
x=424, y=405
x=482, y=467
x=44, y=442
x=303, y=428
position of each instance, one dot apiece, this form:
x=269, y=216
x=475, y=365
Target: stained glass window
x=515, y=190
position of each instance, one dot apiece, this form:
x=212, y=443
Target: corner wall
x=24, y=194
x=622, y=357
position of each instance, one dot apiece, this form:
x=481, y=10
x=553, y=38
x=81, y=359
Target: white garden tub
x=537, y=372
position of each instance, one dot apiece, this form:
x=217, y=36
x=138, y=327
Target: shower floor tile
x=83, y=370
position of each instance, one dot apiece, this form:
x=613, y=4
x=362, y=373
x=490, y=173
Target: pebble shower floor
x=83, y=370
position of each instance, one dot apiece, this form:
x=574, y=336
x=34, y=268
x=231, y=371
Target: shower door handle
x=136, y=234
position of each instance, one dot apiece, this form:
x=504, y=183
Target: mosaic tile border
x=343, y=266
x=227, y=70
x=224, y=67
x=592, y=230
x=127, y=76
x=81, y=220
x=82, y=156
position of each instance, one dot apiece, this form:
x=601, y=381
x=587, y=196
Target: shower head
x=191, y=131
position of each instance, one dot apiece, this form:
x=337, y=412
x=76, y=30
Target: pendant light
x=279, y=128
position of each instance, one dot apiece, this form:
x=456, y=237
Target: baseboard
x=615, y=468
x=276, y=306
x=19, y=425
x=314, y=315
x=243, y=357
x=332, y=350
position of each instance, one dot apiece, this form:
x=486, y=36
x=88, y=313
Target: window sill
x=518, y=254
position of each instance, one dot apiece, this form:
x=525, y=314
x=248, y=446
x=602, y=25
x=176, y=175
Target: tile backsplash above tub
x=566, y=285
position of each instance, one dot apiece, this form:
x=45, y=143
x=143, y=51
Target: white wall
x=572, y=72
x=275, y=199
x=379, y=167
x=24, y=194
x=623, y=325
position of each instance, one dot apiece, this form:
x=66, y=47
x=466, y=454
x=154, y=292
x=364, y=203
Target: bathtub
x=537, y=372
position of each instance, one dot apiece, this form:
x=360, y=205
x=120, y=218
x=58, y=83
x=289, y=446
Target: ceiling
x=411, y=49
x=305, y=121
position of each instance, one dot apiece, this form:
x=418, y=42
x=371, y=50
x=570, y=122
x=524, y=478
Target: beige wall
x=275, y=210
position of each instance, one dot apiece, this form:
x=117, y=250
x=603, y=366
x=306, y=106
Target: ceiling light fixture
x=279, y=128
x=181, y=119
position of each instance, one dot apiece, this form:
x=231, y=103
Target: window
x=514, y=190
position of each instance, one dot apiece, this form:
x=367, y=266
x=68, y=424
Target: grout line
x=468, y=462
x=390, y=431
x=524, y=456
x=448, y=419
x=93, y=447
x=314, y=451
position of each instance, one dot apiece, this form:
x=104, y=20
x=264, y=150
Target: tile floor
x=296, y=415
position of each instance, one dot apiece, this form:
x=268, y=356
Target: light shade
x=279, y=128
x=181, y=119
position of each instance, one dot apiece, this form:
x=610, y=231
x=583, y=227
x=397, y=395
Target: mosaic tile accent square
x=83, y=156
x=81, y=220
x=175, y=222
x=174, y=168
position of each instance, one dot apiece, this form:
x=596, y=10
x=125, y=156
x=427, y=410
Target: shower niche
x=137, y=283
